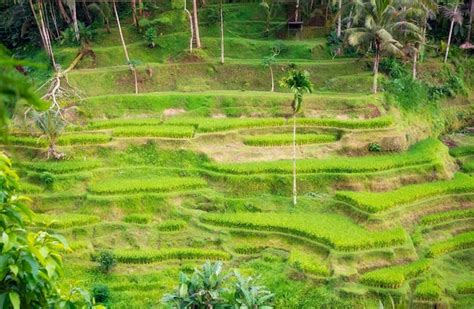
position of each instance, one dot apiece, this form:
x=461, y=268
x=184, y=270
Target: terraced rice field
x=199, y=168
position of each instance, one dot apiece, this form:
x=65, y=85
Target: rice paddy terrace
x=198, y=166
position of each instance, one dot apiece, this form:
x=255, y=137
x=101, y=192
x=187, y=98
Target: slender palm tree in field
x=376, y=23
x=299, y=83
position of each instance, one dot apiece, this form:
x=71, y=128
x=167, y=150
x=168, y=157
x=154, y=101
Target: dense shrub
x=106, y=261
x=100, y=293
x=47, y=179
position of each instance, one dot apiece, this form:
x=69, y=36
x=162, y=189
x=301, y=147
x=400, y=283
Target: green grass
x=426, y=151
x=394, y=276
x=428, y=290
x=155, y=131
x=287, y=139
x=156, y=184
x=447, y=216
x=145, y=256
x=458, y=242
x=333, y=230
x=307, y=263
x=380, y=201
x=63, y=221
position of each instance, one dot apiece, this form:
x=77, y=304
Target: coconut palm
x=452, y=12
x=51, y=126
x=375, y=26
x=299, y=83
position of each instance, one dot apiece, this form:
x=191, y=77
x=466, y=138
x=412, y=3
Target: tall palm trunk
x=376, y=67
x=196, y=24
x=130, y=65
x=191, y=27
x=222, y=33
x=450, y=34
x=63, y=12
x=415, y=57
x=271, y=76
x=43, y=30
x=339, y=19
x=469, y=25
x=294, y=158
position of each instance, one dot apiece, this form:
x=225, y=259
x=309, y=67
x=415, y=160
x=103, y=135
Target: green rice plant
x=155, y=131
x=306, y=263
x=155, y=184
x=138, y=218
x=145, y=256
x=462, y=151
x=249, y=249
x=446, y=216
x=427, y=151
x=379, y=201
x=83, y=139
x=393, y=277
x=333, y=230
x=63, y=140
x=119, y=122
x=287, y=139
x=26, y=187
x=466, y=287
x=206, y=125
x=63, y=221
x=61, y=167
x=428, y=290
x=171, y=225
x=458, y=242
x=468, y=166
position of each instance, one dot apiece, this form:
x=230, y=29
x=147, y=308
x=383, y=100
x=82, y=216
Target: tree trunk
x=294, y=159
x=72, y=8
x=222, y=33
x=191, y=27
x=271, y=76
x=339, y=19
x=134, y=12
x=349, y=20
x=450, y=35
x=297, y=11
x=130, y=65
x=196, y=24
x=415, y=57
x=376, y=67
x=469, y=25
x=63, y=12
x=43, y=30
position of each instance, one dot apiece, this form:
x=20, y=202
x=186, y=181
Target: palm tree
x=196, y=24
x=51, y=126
x=130, y=64
x=452, y=12
x=378, y=20
x=299, y=83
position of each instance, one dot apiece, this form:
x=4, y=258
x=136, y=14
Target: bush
x=428, y=290
x=375, y=147
x=100, y=293
x=106, y=261
x=379, y=201
x=47, y=179
x=395, y=276
x=150, y=36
